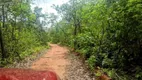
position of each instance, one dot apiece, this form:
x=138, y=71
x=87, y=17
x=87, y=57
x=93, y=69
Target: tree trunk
x=1, y=37
x=75, y=33
x=2, y=45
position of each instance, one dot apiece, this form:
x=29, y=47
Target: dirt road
x=65, y=64
x=54, y=60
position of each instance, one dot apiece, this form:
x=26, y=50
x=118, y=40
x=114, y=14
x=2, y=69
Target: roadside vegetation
x=106, y=33
x=21, y=30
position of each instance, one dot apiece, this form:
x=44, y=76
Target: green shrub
x=91, y=62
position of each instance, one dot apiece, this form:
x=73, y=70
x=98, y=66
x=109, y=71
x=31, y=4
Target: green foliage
x=91, y=62
x=20, y=35
x=107, y=33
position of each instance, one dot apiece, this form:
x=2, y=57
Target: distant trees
x=107, y=33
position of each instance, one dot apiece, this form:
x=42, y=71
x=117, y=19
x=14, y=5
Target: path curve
x=54, y=60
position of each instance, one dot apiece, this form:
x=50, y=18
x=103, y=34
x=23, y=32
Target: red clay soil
x=54, y=60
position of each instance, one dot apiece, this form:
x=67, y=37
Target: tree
x=19, y=34
x=105, y=33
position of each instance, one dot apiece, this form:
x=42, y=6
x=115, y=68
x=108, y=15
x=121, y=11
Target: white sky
x=46, y=5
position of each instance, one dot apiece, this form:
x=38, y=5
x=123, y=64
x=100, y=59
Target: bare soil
x=54, y=60
x=58, y=59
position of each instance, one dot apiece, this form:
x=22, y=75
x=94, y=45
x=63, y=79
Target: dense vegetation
x=21, y=30
x=107, y=33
